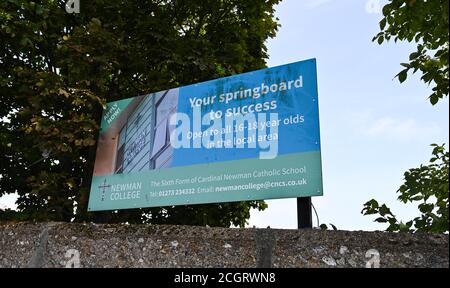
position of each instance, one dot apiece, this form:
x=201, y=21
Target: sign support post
x=304, y=215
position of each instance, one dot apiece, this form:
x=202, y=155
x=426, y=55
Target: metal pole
x=304, y=215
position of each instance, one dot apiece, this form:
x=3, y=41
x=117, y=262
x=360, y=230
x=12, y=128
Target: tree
x=428, y=185
x=59, y=69
x=426, y=23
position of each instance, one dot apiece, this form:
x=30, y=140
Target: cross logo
x=103, y=189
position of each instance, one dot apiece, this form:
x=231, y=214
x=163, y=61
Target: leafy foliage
x=59, y=69
x=325, y=227
x=427, y=185
x=426, y=23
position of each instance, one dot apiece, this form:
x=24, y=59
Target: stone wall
x=91, y=245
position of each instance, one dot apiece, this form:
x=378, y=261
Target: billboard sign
x=250, y=136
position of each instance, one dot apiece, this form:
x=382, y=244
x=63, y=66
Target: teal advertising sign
x=250, y=136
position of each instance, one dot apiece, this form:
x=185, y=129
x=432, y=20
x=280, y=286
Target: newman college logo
x=103, y=188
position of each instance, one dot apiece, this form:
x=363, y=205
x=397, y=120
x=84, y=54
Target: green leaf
x=426, y=208
x=381, y=220
x=96, y=21
x=384, y=210
x=386, y=9
x=403, y=75
x=373, y=203
x=414, y=55
x=383, y=23
x=434, y=99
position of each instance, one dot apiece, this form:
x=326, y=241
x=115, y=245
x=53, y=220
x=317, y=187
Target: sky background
x=373, y=128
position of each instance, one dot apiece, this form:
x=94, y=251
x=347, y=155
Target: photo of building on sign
x=139, y=137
